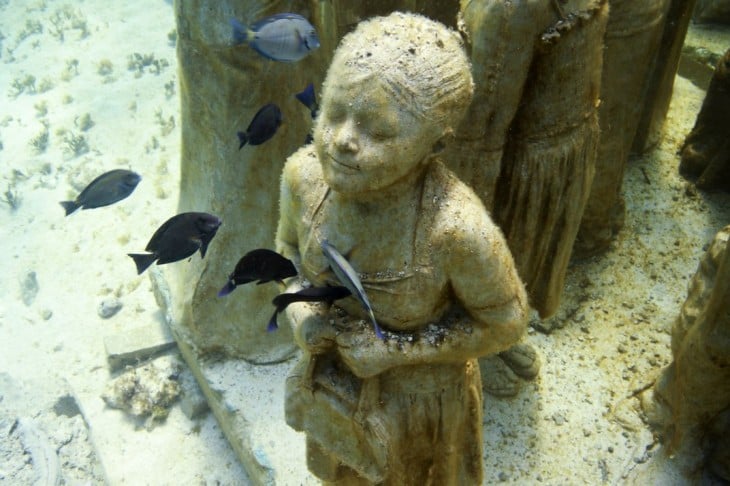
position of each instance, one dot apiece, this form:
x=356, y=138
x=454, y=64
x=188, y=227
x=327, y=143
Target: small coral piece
x=145, y=392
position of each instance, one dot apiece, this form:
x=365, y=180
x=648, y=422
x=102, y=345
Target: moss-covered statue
x=405, y=409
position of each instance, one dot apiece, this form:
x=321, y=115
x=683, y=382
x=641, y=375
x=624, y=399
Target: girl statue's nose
x=346, y=138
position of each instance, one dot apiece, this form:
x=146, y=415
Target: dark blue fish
x=310, y=294
x=285, y=37
x=348, y=277
x=263, y=126
x=106, y=189
x=309, y=99
x=261, y=264
x=178, y=238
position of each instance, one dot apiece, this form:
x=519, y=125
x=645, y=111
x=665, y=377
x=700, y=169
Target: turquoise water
x=86, y=87
x=90, y=86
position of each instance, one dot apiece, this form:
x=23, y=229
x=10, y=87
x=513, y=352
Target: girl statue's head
x=396, y=87
x=420, y=62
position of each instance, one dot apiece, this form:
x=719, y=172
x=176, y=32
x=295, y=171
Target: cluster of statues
x=458, y=171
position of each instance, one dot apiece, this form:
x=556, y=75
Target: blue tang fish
x=284, y=37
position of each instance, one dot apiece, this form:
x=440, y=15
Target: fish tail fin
x=227, y=289
x=70, y=206
x=240, y=32
x=143, y=260
x=242, y=139
x=306, y=97
x=379, y=332
x=273, y=325
x=376, y=327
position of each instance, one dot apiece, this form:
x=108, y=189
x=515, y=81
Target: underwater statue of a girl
x=442, y=283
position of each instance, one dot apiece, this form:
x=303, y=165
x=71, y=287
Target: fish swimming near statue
x=348, y=277
x=284, y=37
x=263, y=126
x=309, y=294
x=309, y=99
x=178, y=238
x=262, y=265
x=106, y=189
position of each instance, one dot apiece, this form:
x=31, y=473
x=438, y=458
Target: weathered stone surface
x=692, y=407
x=136, y=345
x=550, y=146
x=659, y=86
x=647, y=36
x=633, y=33
x=712, y=11
x=221, y=88
x=706, y=150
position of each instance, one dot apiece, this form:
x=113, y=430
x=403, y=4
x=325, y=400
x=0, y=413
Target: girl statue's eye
x=380, y=134
x=334, y=113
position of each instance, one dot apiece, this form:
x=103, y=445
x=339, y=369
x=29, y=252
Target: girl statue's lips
x=343, y=164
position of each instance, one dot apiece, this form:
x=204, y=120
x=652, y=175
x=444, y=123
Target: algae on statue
x=528, y=144
x=648, y=36
x=438, y=272
x=706, y=150
x=632, y=37
x=690, y=402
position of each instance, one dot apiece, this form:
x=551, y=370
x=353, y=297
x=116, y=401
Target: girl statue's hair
x=420, y=62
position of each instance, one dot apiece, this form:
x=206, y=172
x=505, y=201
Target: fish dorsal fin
x=256, y=26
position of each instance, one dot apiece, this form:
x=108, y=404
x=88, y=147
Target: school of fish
x=284, y=37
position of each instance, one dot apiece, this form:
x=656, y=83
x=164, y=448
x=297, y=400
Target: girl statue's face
x=364, y=141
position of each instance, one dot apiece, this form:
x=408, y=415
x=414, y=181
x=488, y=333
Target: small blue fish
x=284, y=37
x=263, y=126
x=309, y=99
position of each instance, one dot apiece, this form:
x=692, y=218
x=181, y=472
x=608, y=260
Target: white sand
x=55, y=344
x=574, y=425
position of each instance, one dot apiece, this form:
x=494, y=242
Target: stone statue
x=633, y=34
x=706, y=150
x=439, y=275
x=634, y=102
x=712, y=12
x=528, y=145
x=689, y=405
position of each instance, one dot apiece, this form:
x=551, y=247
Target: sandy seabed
x=90, y=86
x=86, y=87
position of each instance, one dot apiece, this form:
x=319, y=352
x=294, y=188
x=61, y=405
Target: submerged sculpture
x=439, y=275
x=528, y=146
x=691, y=399
x=706, y=150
